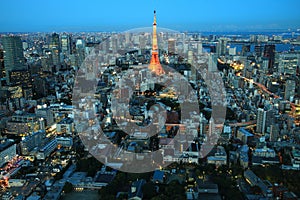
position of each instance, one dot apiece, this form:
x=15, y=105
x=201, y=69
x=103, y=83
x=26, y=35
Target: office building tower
x=80, y=51
x=54, y=41
x=13, y=55
x=212, y=63
x=270, y=119
x=55, y=49
x=20, y=78
x=290, y=86
x=171, y=46
x=40, y=87
x=288, y=63
x=222, y=46
x=253, y=38
x=232, y=51
x=274, y=132
x=2, y=69
x=258, y=50
x=245, y=50
x=269, y=52
x=261, y=120
x=65, y=44
x=200, y=48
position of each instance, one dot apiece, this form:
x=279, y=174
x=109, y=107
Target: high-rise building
x=232, y=51
x=245, y=50
x=200, y=48
x=258, y=50
x=54, y=41
x=2, y=69
x=261, y=120
x=290, y=86
x=13, y=55
x=269, y=52
x=288, y=63
x=171, y=46
x=222, y=46
x=155, y=65
x=65, y=44
x=39, y=84
x=274, y=132
x=55, y=48
x=20, y=78
x=212, y=63
x=270, y=119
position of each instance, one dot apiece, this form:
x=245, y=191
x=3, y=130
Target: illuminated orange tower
x=155, y=65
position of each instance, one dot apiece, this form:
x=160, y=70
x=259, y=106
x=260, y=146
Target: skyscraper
x=245, y=49
x=55, y=48
x=171, y=46
x=199, y=48
x=155, y=65
x=269, y=52
x=65, y=44
x=274, y=132
x=54, y=43
x=221, y=46
x=261, y=120
x=258, y=50
x=13, y=55
x=2, y=69
x=290, y=86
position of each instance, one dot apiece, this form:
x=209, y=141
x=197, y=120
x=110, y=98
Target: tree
x=149, y=190
x=175, y=191
x=160, y=197
x=68, y=187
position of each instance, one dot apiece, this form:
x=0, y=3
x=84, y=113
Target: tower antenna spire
x=155, y=65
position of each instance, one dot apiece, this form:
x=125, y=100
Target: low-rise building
x=254, y=180
x=46, y=150
x=295, y=157
x=264, y=152
x=136, y=192
x=32, y=141
x=219, y=157
x=65, y=126
x=64, y=141
x=8, y=151
x=244, y=135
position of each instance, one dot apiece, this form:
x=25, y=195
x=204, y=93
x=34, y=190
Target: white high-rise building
x=261, y=120
x=290, y=87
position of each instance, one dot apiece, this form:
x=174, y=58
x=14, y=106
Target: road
x=263, y=88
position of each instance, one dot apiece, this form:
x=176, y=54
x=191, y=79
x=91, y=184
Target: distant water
x=284, y=34
x=278, y=47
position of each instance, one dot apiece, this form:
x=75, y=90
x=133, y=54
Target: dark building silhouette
x=245, y=49
x=258, y=50
x=13, y=55
x=269, y=52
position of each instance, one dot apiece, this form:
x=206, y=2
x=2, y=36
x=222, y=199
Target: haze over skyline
x=193, y=15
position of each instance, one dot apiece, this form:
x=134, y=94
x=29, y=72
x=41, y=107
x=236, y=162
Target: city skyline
x=32, y=16
x=93, y=111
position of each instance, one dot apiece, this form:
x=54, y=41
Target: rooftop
x=5, y=144
x=245, y=132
